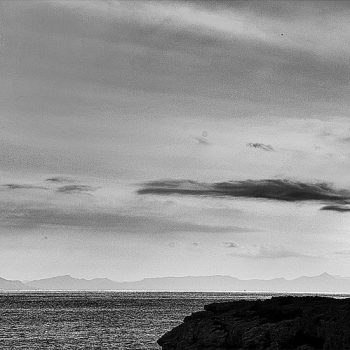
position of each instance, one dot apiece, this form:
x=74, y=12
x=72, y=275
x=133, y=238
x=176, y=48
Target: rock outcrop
x=303, y=323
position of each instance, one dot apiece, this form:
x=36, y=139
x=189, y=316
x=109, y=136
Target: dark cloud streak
x=338, y=208
x=75, y=189
x=60, y=179
x=14, y=186
x=71, y=188
x=276, y=189
x=262, y=146
x=230, y=245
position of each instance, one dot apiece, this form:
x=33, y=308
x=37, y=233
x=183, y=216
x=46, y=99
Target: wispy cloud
x=17, y=186
x=61, y=179
x=230, y=245
x=338, y=208
x=276, y=189
x=264, y=252
x=345, y=252
x=75, y=189
x=68, y=188
x=296, y=27
x=262, y=146
x=203, y=139
x=30, y=217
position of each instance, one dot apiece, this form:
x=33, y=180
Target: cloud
x=265, y=252
x=276, y=189
x=203, y=139
x=71, y=188
x=23, y=217
x=16, y=186
x=230, y=245
x=75, y=189
x=60, y=179
x=343, y=252
x=260, y=146
x=339, y=208
x=345, y=139
x=278, y=25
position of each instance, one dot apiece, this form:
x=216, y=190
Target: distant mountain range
x=323, y=283
x=12, y=285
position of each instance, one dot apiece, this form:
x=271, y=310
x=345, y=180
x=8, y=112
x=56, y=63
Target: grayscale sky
x=100, y=98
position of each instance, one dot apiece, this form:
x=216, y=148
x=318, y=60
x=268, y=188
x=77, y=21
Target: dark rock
x=280, y=323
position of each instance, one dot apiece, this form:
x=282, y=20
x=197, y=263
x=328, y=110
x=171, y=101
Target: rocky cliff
x=302, y=323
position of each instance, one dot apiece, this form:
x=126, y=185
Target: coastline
x=289, y=322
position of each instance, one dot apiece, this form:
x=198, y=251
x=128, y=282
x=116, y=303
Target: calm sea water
x=89, y=320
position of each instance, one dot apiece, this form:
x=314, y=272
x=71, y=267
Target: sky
x=172, y=138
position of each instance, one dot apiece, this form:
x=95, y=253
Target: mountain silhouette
x=324, y=283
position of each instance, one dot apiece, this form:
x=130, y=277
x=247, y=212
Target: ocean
x=97, y=320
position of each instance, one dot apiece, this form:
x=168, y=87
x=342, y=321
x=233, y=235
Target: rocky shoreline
x=303, y=323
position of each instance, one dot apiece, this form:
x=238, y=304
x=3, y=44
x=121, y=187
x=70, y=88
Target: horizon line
x=176, y=277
